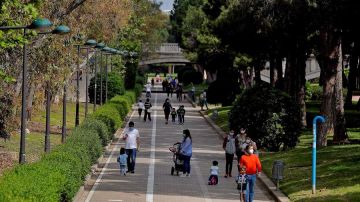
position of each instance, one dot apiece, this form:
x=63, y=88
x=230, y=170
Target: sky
x=167, y=5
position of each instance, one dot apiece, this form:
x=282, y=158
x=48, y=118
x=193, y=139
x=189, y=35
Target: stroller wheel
x=172, y=170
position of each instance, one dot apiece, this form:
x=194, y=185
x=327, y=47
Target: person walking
x=229, y=145
x=253, y=168
x=186, y=152
x=132, y=143
x=204, y=95
x=173, y=115
x=122, y=160
x=192, y=92
x=181, y=114
x=148, y=90
x=141, y=107
x=147, y=111
x=167, y=108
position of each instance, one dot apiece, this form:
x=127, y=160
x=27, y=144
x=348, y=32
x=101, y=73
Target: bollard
x=322, y=120
x=278, y=171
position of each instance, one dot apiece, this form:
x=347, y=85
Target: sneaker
x=188, y=175
x=230, y=175
x=226, y=176
x=183, y=175
x=132, y=171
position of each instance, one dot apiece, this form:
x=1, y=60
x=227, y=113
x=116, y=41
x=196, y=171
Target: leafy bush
x=270, y=116
x=182, y=70
x=138, y=90
x=109, y=114
x=140, y=80
x=91, y=123
x=131, y=96
x=313, y=92
x=115, y=87
x=192, y=77
x=57, y=176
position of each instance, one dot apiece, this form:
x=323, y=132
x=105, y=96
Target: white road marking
x=115, y=200
x=116, y=148
x=150, y=184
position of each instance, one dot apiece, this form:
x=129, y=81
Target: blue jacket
x=186, y=147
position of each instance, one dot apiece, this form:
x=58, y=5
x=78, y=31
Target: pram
x=178, y=162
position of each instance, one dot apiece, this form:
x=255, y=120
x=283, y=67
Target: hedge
x=59, y=174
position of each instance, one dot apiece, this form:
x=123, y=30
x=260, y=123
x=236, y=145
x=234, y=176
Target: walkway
x=152, y=180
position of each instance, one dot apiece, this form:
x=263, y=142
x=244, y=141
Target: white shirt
x=131, y=136
x=214, y=170
x=148, y=87
x=141, y=105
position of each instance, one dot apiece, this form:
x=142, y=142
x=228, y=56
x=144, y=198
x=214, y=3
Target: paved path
x=152, y=180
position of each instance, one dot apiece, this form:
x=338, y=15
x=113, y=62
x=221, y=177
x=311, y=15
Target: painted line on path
x=150, y=184
x=116, y=148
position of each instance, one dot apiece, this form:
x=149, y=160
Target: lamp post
x=39, y=23
x=61, y=30
x=99, y=46
x=89, y=43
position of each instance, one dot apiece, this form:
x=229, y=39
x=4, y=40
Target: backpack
x=230, y=145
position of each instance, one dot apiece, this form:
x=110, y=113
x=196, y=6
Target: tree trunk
x=330, y=57
x=300, y=85
x=340, y=134
x=279, y=71
x=354, y=63
x=273, y=72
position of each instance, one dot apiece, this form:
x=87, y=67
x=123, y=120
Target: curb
x=264, y=179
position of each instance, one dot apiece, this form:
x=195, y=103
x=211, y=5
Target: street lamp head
x=40, y=23
x=61, y=29
x=106, y=49
x=91, y=43
x=125, y=53
x=133, y=54
x=100, y=45
x=113, y=51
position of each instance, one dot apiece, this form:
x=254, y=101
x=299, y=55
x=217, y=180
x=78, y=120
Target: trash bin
x=278, y=171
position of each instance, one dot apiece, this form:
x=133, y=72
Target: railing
x=166, y=48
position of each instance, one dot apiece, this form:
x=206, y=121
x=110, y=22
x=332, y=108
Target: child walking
x=214, y=173
x=181, y=114
x=173, y=115
x=122, y=160
x=241, y=181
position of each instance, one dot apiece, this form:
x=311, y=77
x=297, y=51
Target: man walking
x=132, y=143
x=147, y=105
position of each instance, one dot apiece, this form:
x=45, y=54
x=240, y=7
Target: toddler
x=122, y=160
x=214, y=172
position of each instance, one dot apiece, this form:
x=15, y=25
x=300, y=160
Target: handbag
x=149, y=110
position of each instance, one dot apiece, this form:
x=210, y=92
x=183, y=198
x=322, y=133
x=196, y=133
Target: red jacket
x=252, y=164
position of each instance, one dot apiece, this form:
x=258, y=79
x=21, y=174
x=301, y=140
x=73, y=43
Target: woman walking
x=186, y=152
x=253, y=168
x=167, y=108
x=229, y=145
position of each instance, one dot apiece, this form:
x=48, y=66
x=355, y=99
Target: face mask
x=231, y=134
x=131, y=128
x=247, y=141
x=251, y=151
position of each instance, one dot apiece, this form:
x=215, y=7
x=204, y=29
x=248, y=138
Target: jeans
x=186, y=164
x=131, y=159
x=249, y=196
x=139, y=111
x=181, y=118
x=229, y=163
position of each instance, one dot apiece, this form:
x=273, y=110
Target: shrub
x=91, y=123
x=57, y=176
x=192, y=77
x=110, y=116
x=182, y=70
x=131, y=96
x=140, y=80
x=138, y=90
x=270, y=116
x=313, y=92
x=123, y=103
x=219, y=91
x=115, y=87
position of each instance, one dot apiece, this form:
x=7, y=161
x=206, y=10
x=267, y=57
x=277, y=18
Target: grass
x=338, y=178
x=34, y=147
x=56, y=114
x=337, y=170
x=222, y=119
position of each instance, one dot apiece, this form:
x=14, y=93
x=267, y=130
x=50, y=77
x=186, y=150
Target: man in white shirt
x=148, y=89
x=132, y=143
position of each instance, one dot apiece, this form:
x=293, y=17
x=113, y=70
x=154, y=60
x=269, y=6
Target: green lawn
x=34, y=147
x=338, y=178
x=337, y=170
x=56, y=114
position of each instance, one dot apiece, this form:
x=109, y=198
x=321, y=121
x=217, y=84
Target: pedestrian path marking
x=202, y=182
x=97, y=182
x=150, y=184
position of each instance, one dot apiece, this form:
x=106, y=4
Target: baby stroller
x=178, y=167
